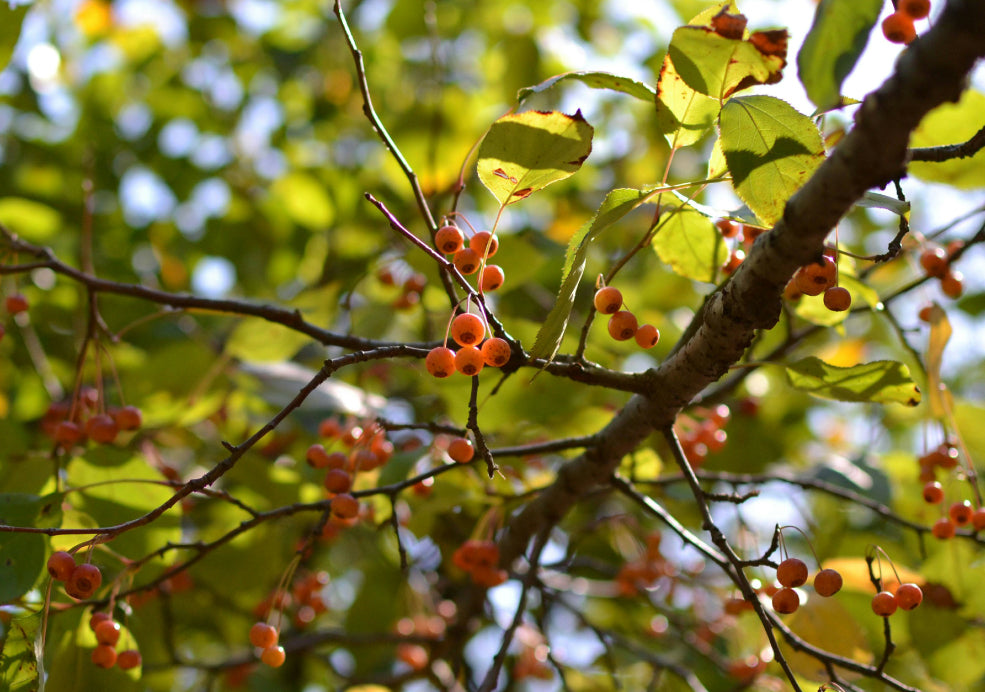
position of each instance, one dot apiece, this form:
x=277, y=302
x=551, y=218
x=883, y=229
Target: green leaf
x=595, y=80
x=683, y=115
x=305, y=200
x=526, y=152
x=32, y=220
x=880, y=381
x=952, y=123
x=690, y=244
x=832, y=47
x=18, y=665
x=22, y=555
x=717, y=66
x=259, y=341
x=616, y=205
x=11, y=19
x=771, y=150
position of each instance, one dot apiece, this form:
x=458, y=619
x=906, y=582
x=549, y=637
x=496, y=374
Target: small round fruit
x=647, y=336
x=933, y=259
x=108, y=632
x=449, y=239
x=815, y=278
x=16, y=303
x=128, y=418
x=102, y=428
x=440, y=361
x=461, y=450
x=961, y=513
x=337, y=481
x=786, y=601
x=837, y=299
x=467, y=329
x=492, y=278
x=104, y=656
x=792, y=572
x=273, y=656
x=316, y=456
x=898, y=28
x=623, y=325
x=467, y=261
x=415, y=283
x=345, y=506
x=908, y=596
x=469, y=360
x=943, y=529
x=61, y=565
x=67, y=433
x=608, y=300
x=827, y=582
x=915, y=9
x=978, y=519
x=727, y=228
x=481, y=240
x=98, y=618
x=496, y=352
x=128, y=659
x=83, y=581
x=884, y=604
x=933, y=493
x=263, y=636
x=952, y=284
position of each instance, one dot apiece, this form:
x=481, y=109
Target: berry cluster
x=641, y=574
x=898, y=27
x=820, y=277
x=474, y=353
x=415, y=656
x=472, y=257
x=411, y=286
x=107, y=631
x=481, y=560
x=81, y=580
x=960, y=513
x=701, y=437
x=71, y=423
x=623, y=324
x=733, y=229
x=936, y=263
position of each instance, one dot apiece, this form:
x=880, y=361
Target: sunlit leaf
x=952, y=123
x=940, y=334
x=615, y=206
x=259, y=341
x=833, y=45
x=525, y=152
x=32, y=220
x=880, y=381
x=305, y=200
x=11, y=19
x=771, y=151
x=595, y=80
x=690, y=244
x=828, y=624
x=18, y=664
x=684, y=116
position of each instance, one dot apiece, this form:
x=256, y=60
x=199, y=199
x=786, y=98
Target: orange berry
x=467, y=329
x=786, y=601
x=345, y=506
x=316, y=456
x=898, y=28
x=102, y=428
x=925, y=312
x=16, y=303
x=337, y=481
x=837, y=299
x=107, y=632
x=933, y=493
x=329, y=428
x=496, y=352
x=128, y=659
x=440, y=361
x=415, y=283
x=914, y=9
x=97, y=618
x=61, y=565
x=83, y=581
x=647, y=336
x=480, y=240
x=727, y=228
x=461, y=450
x=104, y=656
x=608, y=300
x=943, y=529
x=414, y=655
x=128, y=418
x=978, y=519
x=908, y=596
x=734, y=260
x=960, y=513
x=827, y=582
x=933, y=259
x=623, y=325
x=952, y=284
x=815, y=278
x=884, y=604
x=263, y=635
x=273, y=656
x=469, y=360
x=449, y=239
x=792, y=572
x=492, y=278
x=467, y=261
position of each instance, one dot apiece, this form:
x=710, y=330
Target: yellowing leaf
x=304, y=199
x=684, y=116
x=526, y=152
x=880, y=381
x=690, y=244
x=952, y=123
x=771, y=151
x=940, y=334
x=32, y=220
x=826, y=623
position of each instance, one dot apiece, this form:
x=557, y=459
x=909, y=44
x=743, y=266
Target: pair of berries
x=936, y=263
x=81, y=581
x=792, y=573
x=107, y=631
x=623, y=324
x=898, y=27
x=907, y=597
x=264, y=637
x=821, y=277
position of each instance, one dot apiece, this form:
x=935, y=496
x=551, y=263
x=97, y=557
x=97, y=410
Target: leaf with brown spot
x=729, y=25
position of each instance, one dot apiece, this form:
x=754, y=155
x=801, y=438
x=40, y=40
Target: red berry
x=128, y=418
x=467, y=261
x=792, y=572
x=101, y=428
x=414, y=655
x=933, y=259
x=128, y=659
x=61, y=565
x=837, y=299
x=97, y=618
x=952, y=284
x=884, y=604
x=827, y=582
x=449, y=239
x=943, y=529
x=647, y=336
x=915, y=9
x=734, y=260
x=263, y=635
x=415, y=283
x=727, y=228
x=978, y=519
x=67, y=433
x=933, y=493
x=345, y=506
x=337, y=481
x=623, y=325
x=908, y=596
x=496, y=352
x=608, y=300
x=104, y=656
x=83, y=581
x=467, y=329
x=461, y=450
x=786, y=601
x=815, y=278
x=316, y=456
x=961, y=513
x=480, y=240
x=273, y=656
x=16, y=303
x=492, y=278
x=898, y=28
x=440, y=361
x=469, y=360
x=107, y=632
